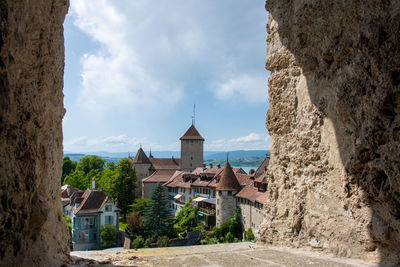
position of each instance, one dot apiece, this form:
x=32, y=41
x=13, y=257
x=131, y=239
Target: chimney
x=204, y=165
x=252, y=171
x=68, y=190
x=211, y=165
x=93, y=184
x=218, y=165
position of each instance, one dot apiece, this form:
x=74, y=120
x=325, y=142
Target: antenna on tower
x=194, y=114
x=227, y=156
x=150, y=152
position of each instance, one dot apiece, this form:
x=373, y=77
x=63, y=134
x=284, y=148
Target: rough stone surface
x=334, y=174
x=229, y=255
x=32, y=231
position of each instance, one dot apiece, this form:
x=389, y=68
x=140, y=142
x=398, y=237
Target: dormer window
x=108, y=208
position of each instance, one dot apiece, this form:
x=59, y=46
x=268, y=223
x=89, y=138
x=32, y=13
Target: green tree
x=77, y=179
x=125, y=185
x=105, y=181
x=157, y=215
x=186, y=220
x=108, y=235
x=68, y=167
x=86, y=164
x=140, y=205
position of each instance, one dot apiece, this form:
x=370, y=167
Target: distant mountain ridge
x=208, y=155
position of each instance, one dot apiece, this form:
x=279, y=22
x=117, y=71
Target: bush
x=108, y=235
x=163, y=241
x=229, y=237
x=209, y=241
x=138, y=242
x=249, y=235
x=149, y=241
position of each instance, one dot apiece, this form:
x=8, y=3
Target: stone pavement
x=235, y=254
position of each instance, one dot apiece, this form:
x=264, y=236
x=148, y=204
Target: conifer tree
x=157, y=215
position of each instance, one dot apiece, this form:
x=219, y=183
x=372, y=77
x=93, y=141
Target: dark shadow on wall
x=349, y=52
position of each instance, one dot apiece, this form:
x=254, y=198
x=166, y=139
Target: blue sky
x=134, y=69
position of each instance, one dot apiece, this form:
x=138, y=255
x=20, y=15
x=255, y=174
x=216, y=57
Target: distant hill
x=209, y=156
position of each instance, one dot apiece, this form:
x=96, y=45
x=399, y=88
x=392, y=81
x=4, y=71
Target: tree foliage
x=86, y=164
x=186, y=220
x=135, y=225
x=140, y=205
x=157, y=216
x=108, y=235
x=124, y=185
x=68, y=167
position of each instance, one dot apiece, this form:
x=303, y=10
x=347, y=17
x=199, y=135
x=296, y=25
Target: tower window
x=229, y=193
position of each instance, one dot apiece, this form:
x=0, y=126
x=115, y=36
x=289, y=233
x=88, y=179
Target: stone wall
x=32, y=231
x=334, y=175
x=251, y=215
x=225, y=207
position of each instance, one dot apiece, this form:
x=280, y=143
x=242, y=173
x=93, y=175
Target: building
x=66, y=193
x=151, y=170
x=192, y=144
x=217, y=191
x=251, y=198
x=89, y=211
x=227, y=187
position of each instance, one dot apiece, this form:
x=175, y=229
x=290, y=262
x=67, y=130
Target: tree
x=125, y=185
x=86, y=164
x=186, y=220
x=108, y=235
x=140, y=205
x=135, y=225
x=77, y=179
x=105, y=181
x=157, y=216
x=68, y=167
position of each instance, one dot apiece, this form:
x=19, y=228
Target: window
x=109, y=219
x=220, y=193
x=229, y=193
x=108, y=207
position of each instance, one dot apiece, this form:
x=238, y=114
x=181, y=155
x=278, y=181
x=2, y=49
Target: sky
x=134, y=69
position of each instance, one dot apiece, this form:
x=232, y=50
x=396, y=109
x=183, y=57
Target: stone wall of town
x=334, y=174
x=252, y=216
x=32, y=229
x=225, y=207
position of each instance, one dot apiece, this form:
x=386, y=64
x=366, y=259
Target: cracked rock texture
x=334, y=174
x=32, y=231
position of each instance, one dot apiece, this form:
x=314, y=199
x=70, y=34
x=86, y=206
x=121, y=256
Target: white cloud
x=115, y=76
x=252, y=141
x=118, y=143
x=253, y=88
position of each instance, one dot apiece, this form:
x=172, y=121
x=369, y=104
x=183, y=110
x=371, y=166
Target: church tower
x=191, y=149
x=143, y=167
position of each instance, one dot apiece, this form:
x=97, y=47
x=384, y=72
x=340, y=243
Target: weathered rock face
x=32, y=231
x=334, y=175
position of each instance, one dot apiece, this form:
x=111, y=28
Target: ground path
x=230, y=255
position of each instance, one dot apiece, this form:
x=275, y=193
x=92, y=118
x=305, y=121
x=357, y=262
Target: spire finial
x=140, y=145
x=194, y=114
x=150, y=152
x=227, y=156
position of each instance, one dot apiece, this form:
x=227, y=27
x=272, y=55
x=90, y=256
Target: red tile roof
x=141, y=157
x=228, y=181
x=64, y=192
x=259, y=175
x=92, y=201
x=159, y=176
x=192, y=134
x=244, y=179
x=251, y=193
x=165, y=163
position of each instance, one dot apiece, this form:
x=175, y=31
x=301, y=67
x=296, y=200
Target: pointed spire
x=141, y=157
x=192, y=134
x=150, y=153
x=228, y=180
